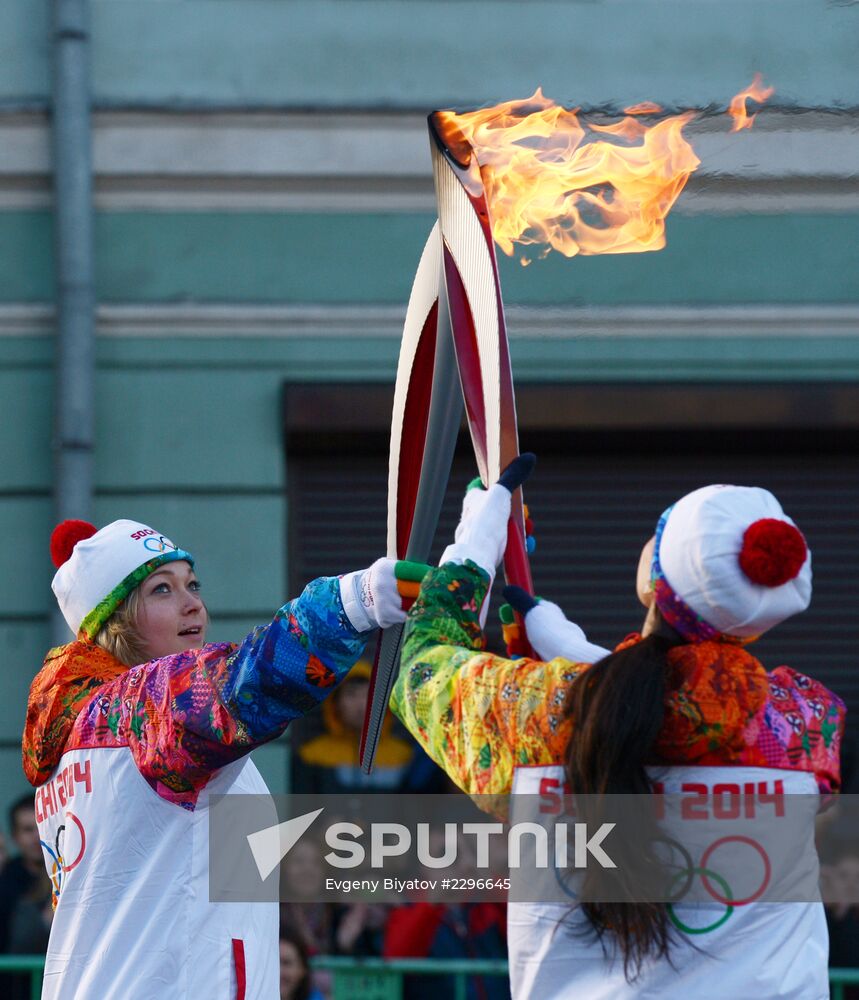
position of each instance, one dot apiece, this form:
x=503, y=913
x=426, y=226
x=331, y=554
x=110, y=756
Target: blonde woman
x=133, y=725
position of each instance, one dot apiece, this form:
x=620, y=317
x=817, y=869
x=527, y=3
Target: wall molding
x=198, y=320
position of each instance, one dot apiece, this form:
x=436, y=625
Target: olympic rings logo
x=721, y=892
x=160, y=544
x=708, y=876
x=60, y=866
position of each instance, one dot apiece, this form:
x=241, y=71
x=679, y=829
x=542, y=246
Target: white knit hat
x=97, y=570
x=729, y=564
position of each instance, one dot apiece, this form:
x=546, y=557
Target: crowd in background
x=327, y=763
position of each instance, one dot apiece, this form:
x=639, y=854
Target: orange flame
x=553, y=181
x=643, y=108
x=581, y=188
x=737, y=108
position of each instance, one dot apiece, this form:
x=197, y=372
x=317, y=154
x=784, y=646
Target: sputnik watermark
x=349, y=847
x=395, y=840
x=729, y=847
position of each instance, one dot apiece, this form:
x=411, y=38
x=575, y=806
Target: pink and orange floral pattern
x=186, y=715
x=479, y=716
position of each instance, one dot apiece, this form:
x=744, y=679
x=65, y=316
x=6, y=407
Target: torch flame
x=737, y=108
x=643, y=108
x=577, y=187
x=553, y=181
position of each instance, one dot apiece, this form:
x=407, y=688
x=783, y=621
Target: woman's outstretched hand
x=379, y=596
x=481, y=535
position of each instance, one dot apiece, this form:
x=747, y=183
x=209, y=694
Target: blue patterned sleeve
x=185, y=716
x=283, y=670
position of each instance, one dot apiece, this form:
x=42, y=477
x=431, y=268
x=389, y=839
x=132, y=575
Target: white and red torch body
x=454, y=323
x=478, y=328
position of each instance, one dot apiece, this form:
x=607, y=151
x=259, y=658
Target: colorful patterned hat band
x=97, y=570
x=92, y=623
x=674, y=609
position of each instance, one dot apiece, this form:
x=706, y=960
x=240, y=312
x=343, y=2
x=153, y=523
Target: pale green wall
x=407, y=53
x=340, y=258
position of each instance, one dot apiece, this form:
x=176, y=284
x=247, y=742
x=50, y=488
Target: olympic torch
x=454, y=323
x=470, y=278
x=553, y=181
x=426, y=415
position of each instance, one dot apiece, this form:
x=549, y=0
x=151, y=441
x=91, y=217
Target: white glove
x=481, y=534
x=370, y=597
x=550, y=632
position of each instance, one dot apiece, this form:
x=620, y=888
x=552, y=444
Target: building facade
x=262, y=192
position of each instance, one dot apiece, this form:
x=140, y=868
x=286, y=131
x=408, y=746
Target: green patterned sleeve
x=478, y=716
x=433, y=695
x=447, y=611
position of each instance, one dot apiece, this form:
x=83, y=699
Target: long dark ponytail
x=617, y=707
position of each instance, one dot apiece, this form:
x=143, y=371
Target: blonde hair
x=119, y=634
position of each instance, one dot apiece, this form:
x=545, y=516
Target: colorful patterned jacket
x=126, y=760
x=497, y=726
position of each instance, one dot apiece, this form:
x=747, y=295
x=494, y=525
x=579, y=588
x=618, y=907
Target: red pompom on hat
x=65, y=537
x=773, y=552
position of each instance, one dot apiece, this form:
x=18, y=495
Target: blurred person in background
x=25, y=896
x=450, y=930
x=295, y=979
x=302, y=880
x=325, y=928
x=839, y=882
x=329, y=764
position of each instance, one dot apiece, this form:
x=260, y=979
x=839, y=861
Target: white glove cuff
x=351, y=587
x=459, y=552
x=386, y=605
x=370, y=597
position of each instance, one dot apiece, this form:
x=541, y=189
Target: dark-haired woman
x=682, y=702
